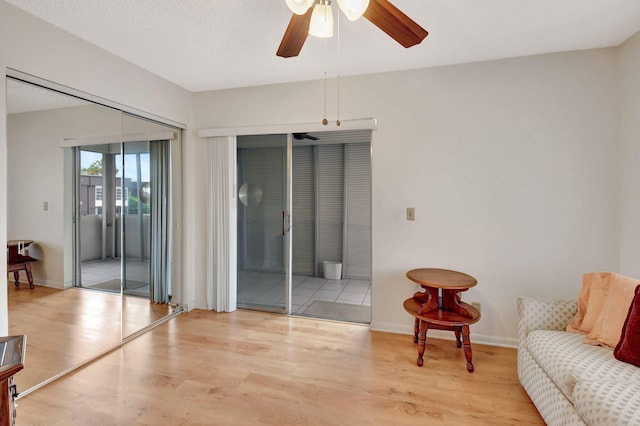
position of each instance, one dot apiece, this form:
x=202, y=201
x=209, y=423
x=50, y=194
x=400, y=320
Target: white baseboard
x=42, y=283
x=481, y=339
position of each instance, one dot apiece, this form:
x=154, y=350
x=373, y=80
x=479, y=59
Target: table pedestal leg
x=416, y=325
x=422, y=341
x=27, y=268
x=466, y=343
x=458, y=342
x=451, y=302
x=428, y=298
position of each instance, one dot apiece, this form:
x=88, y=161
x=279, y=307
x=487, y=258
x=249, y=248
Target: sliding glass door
x=331, y=219
x=263, y=222
x=98, y=203
x=113, y=238
x=320, y=186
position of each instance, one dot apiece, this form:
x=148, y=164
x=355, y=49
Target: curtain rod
x=270, y=129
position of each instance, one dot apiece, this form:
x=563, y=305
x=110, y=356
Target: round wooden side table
x=439, y=307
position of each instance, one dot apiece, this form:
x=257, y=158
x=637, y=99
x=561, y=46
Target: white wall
x=511, y=166
x=32, y=46
x=36, y=175
x=629, y=88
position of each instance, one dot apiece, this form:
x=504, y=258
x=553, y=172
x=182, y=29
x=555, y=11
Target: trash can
x=332, y=270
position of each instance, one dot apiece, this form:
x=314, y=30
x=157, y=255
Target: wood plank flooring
x=241, y=368
x=66, y=327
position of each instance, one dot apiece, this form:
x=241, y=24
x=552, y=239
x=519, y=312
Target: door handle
x=286, y=223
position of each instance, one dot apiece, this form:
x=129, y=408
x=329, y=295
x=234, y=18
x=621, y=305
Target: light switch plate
x=411, y=213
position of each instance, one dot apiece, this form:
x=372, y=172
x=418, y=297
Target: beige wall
x=629, y=112
x=511, y=166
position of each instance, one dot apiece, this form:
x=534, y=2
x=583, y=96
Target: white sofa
x=571, y=382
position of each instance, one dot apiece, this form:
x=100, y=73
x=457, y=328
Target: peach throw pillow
x=607, y=328
x=590, y=301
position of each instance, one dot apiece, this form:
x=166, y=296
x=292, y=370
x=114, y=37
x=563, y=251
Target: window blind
x=330, y=202
x=264, y=243
x=357, y=258
x=303, y=211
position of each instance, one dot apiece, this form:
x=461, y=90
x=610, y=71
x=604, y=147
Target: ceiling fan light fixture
x=321, y=24
x=299, y=7
x=353, y=9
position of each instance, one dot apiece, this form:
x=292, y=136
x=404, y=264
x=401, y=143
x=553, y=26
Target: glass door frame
x=287, y=228
x=76, y=244
x=286, y=233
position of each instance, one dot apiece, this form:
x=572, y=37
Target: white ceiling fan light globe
x=321, y=24
x=299, y=7
x=353, y=9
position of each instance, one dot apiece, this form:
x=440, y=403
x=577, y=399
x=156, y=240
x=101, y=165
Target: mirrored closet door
x=81, y=186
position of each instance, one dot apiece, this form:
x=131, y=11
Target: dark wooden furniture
x=17, y=262
x=439, y=307
x=12, y=351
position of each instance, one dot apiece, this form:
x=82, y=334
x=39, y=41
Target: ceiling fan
x=302, y=136
x=381, y=13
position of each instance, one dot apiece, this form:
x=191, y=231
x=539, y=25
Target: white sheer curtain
x=222, y=265
x=161, y=234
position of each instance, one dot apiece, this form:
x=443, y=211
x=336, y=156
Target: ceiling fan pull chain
x=324, y=120
x=338, y=118
x=339, y=66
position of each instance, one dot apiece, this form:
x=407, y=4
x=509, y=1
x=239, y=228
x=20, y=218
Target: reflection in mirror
x=146, y=216
x=82, y=180
x=64, y=325
x=97, y=204
x=250, y=194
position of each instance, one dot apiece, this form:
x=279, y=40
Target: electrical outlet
x=45, y=206
x=477, y=306
x=411, y=213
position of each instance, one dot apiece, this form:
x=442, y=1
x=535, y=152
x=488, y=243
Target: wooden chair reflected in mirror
x=18, y=259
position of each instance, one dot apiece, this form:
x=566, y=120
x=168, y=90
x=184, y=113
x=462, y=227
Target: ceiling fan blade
x=395, y=23
x=305, y=135
x=295, y=35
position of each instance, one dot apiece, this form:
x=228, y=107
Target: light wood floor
x=66, y=327
x=242, y=368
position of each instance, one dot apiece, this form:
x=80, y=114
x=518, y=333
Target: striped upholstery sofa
x=571, y=382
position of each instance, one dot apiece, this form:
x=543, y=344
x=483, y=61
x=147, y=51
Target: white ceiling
x=216, y=44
